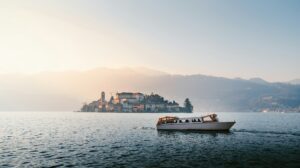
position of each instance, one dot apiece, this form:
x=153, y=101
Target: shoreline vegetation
x=129, y=102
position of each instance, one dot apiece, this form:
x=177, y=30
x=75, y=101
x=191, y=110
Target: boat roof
x=186, y=118
x=169, y=117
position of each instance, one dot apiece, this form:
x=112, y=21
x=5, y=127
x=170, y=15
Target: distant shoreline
x=195, y=112
x=129, y=112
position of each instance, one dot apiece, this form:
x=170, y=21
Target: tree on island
x=188, y=105
x=111, y=99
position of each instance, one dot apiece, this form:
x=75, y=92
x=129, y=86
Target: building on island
x=133, y=102
x=102, y=102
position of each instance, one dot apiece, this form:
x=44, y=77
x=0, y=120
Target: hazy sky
x=225, y=38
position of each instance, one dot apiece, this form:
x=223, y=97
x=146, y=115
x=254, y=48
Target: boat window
x=180, y=121
x=186, y=120
x=199, y=120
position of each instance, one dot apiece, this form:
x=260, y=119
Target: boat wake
x=239, y=130
x=266, y=132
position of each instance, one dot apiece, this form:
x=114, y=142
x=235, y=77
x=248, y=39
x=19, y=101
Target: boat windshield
x=210, y=118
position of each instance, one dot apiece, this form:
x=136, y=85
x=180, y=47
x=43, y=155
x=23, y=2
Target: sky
x=230, y=38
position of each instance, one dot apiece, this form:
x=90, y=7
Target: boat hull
x=207, y=126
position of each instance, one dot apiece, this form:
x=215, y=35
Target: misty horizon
x=145, y=70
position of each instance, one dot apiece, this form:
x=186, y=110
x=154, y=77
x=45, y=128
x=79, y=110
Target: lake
x=74, y=139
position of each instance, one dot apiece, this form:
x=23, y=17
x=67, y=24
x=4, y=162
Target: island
x=136, y=102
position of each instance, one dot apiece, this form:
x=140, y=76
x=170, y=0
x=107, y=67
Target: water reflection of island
x=136, y=102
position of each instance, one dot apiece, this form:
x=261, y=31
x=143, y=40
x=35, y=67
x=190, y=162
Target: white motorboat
x=203, y=123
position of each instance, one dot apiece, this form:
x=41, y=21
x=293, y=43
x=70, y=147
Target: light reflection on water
x=69, y=139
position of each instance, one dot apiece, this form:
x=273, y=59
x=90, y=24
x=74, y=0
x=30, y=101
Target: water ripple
x=130, y=140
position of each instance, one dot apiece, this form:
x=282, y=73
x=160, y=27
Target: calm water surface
x=70, y=139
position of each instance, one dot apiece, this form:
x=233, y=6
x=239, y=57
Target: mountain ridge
x=57, y=91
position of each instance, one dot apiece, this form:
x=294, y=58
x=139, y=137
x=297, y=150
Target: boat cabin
x=173, y=119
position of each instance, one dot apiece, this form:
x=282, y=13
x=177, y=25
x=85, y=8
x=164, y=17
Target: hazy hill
x=295, y=82
x=258, y=81
x=68, y=90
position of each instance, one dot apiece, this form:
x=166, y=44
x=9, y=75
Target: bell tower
x=103, y=102
x=103, y=97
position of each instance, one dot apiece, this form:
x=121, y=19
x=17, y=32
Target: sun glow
x=33, y=41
